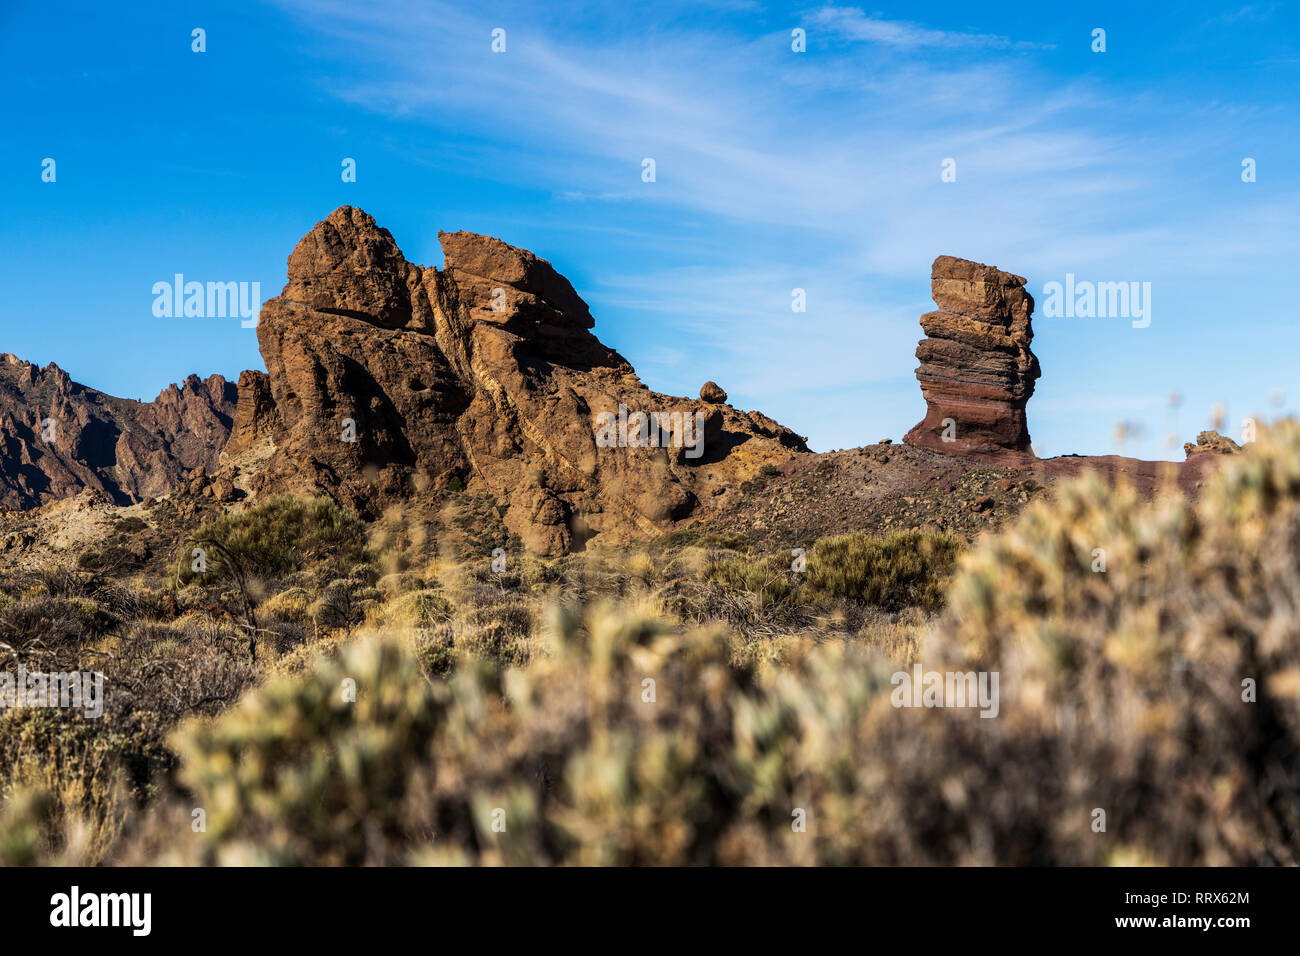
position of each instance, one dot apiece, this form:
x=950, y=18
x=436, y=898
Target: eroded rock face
x=390, y=378
x=977, y=370
x=256, y=419
x=58, y=438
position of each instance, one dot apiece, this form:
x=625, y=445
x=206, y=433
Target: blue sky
x=775, y=170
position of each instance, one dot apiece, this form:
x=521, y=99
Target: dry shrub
x=415, y=609
x=289, y=605
x=1164, y=687
x=899, y=570
x=278, y=537
x=1163, y=690
x=1120, y=690
x=69, y=782
x=54, y=625
x=344, y=603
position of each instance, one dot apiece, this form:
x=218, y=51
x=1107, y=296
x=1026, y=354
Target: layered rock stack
x=390, y=379
x=977, y=370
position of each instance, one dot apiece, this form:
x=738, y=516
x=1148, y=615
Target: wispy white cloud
x=851, y=23
x=822, y=170
x=1250, y=12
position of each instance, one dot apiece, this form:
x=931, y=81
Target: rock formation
x=977, y=371
x=388, y=379
x=255, y=416
x=58, y=437
x=1211, y=442
x=712, y=392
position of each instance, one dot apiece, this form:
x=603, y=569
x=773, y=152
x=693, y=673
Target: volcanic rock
x=390, y=379
x=58, y=437
x=1212, y=442
x=256, y=418
x=977, y=370
x=712, y=392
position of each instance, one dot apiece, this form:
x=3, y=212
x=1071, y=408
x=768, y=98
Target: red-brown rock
x=256, y=418
x=389, y=378
x=712, y=393
x=977, y=370
x=58, y=437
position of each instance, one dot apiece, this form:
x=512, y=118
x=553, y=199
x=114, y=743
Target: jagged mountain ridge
x=58, y=437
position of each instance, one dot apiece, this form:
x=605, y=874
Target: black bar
x=329, y=907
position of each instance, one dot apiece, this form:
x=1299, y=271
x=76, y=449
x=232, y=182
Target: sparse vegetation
x=277, y=538
x=901, y=569
x=1147, y=653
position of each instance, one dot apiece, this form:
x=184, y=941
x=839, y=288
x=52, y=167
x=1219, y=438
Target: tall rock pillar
x=977, y=371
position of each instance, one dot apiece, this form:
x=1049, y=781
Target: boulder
x=712, y=393
x=1211, y=442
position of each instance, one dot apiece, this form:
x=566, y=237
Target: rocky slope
x=977, y=370
x=58, y=437
x=389, y=379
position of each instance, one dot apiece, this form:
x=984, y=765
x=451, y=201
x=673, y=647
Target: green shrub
x=297, y=772
x=28, y=826
x=1154, y=648
x=770, y=579
x=572, y=759
x=290, y=605
x=417, y=609
x=902, y=569
x=276, y=538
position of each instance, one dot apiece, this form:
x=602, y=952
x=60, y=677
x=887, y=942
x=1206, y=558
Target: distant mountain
x=58, y=437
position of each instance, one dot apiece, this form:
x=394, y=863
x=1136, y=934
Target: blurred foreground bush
x=1148, y=656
